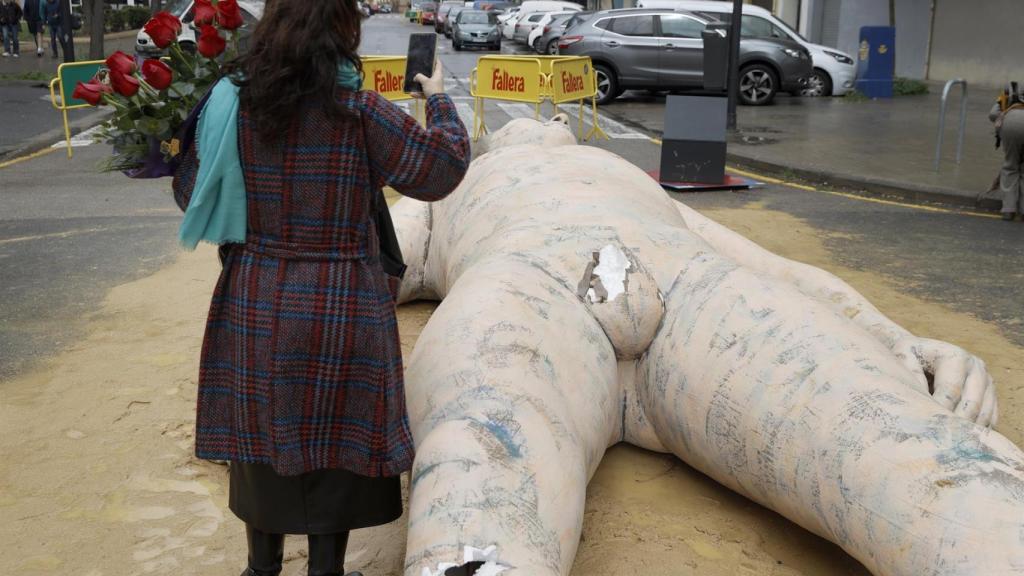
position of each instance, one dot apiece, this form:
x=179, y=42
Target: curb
x=906, y=192
x=50, y=137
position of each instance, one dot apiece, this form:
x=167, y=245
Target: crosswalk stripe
x=614, y=129
x=465, y=113
x=516, y=110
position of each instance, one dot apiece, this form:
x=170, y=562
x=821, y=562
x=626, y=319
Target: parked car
x=413, y=13
x=835, y=72
x=547, y=42
x=452, y=15
x=384, y=8
x=252, y=11
x=428, y=13
x=543, y=27
x=525, y=25
x=664, y=50
x=442, y=14
x=532, y=6
x=476, y=28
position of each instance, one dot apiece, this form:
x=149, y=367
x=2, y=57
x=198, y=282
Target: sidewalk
x=884, y=147
x=31, y=67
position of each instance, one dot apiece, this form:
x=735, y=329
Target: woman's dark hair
x=293, y=59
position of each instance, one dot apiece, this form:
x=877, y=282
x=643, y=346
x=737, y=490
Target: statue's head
x=527, y=131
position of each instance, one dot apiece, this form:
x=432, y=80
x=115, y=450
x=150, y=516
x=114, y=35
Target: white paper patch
x=611, y=269
x=489, y=556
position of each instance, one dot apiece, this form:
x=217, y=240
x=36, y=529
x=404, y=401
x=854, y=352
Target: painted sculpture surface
x=582, y=307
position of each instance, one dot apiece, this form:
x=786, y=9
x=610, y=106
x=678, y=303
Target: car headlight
x=841, y=58
x=791, y=52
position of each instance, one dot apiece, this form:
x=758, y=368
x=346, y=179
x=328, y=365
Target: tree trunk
x=97, y=27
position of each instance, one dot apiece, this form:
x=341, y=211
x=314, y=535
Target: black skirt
x=319, y=502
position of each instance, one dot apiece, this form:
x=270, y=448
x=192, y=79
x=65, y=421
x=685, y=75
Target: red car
x=428, y=13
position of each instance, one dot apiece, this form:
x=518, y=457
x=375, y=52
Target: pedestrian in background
x=1008, y=116
x=300, y=379
x=34, y=20
x=10, y=23
x=53, y=19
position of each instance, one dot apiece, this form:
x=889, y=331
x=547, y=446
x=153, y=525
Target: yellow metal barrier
x=559, y=79
x=386, y=76
x=573, y=80
x=68, y=77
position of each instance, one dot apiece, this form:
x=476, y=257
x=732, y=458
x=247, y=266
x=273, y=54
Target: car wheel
x=607, y=84
x=552, y=49
x=457, y=46
x=188, y=47
x=758, y=85
x=819, y=84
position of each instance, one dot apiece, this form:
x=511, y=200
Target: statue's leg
x=513, y=399
x=792, y=405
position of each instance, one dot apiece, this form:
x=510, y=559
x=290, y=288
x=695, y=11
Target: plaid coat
x=301, y=366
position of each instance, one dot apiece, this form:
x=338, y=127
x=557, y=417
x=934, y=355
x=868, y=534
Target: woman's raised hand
x=434, y=84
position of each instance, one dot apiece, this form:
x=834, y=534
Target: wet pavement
x=884, y=146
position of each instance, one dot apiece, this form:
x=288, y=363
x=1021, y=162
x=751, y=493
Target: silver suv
x=663, y=50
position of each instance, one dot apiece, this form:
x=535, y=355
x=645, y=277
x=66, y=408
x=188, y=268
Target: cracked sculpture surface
x=582, y=307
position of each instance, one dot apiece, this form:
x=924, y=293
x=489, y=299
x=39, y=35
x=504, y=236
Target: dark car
x=450, y=19
x=664, y=50
x=442, y=14
x=476, y=28
x=548, y=41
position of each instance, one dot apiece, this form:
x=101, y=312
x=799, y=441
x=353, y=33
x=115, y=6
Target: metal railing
x=942, y=120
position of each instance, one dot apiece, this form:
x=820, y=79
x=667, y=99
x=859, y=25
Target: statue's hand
x=955, y=378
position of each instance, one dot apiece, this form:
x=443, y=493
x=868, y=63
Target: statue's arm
x=955, y=378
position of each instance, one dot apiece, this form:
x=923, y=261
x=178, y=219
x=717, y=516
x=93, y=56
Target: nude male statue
x=582, y=307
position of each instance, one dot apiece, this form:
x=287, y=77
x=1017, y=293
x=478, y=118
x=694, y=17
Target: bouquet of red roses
x=153, y=99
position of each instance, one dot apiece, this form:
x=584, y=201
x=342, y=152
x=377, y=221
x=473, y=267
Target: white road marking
x=81, y=139
x=614, y=129
x=465, y=113
x=517, y=110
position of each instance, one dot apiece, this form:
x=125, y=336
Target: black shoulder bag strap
x=390, y=251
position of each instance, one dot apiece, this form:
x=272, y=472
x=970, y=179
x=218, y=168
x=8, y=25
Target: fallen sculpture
x=582, y=307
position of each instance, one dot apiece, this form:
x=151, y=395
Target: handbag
x=156, y=163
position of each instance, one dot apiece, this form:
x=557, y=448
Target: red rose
x=124, y=84
x=157, y=74
x=205, y=12
x=210, y=43
x=228, y=14
x=164, y=29
x=121, y=63
x=92, y=92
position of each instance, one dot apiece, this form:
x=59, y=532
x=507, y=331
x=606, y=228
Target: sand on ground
x=97, y=476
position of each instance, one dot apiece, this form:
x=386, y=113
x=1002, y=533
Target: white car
x=834, y=71
x=252, y=11
x=539, y=29
x=508, y=27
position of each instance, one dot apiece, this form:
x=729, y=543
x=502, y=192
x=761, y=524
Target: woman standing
x=300, y=382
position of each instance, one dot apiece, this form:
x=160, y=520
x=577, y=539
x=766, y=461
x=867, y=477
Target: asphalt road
x=68, y=234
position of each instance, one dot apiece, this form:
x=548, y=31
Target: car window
x=679, y=26
x=753, y=26
x=633, y=25
x=535, y=18
x=476, y=18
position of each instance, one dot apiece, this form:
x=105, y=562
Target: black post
x=66, y=31
x=734, y=57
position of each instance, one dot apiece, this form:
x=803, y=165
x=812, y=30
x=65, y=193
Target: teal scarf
x=217, y=211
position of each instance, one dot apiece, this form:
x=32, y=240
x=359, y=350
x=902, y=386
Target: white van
x=508, y=27
x=834, y=71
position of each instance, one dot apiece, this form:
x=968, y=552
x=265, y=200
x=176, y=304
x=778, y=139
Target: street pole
x=66, y=40
x=735, y=28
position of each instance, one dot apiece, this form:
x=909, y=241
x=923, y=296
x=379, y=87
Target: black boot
x=327, y=554
x=266, y=552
